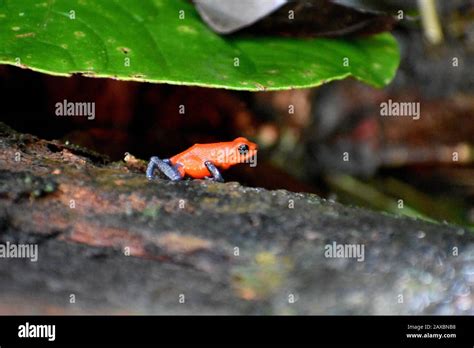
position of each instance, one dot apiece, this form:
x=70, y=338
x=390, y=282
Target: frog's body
x=204, y=160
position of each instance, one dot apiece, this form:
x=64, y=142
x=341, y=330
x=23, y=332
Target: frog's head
x=244, y=150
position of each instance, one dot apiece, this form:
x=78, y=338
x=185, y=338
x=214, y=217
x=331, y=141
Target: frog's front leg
x=216, y=174
x=163, y=166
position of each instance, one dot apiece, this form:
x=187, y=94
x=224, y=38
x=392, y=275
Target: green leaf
x=146, y=40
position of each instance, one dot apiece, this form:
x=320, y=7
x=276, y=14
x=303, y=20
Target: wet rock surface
x=110, y=242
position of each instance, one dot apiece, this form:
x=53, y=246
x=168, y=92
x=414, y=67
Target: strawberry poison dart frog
x=203, y=161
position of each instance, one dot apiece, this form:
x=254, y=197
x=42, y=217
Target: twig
x=430, y=21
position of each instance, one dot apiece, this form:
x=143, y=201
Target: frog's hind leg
x=216, y=174
x=163, y=166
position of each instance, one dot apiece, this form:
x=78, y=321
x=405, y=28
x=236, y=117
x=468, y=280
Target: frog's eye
x=243, y=149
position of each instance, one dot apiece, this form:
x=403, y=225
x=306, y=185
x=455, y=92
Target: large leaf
x=146, y=40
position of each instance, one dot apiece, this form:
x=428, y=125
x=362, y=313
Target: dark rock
x=120, y=244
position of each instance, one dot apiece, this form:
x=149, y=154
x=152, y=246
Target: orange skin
x=222, y=155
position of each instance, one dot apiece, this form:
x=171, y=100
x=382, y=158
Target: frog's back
x=193, y=159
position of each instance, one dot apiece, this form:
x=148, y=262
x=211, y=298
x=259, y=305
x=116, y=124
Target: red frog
x=203, y=161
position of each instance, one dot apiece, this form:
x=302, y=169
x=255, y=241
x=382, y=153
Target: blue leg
x=163, y=166
x=216, y=175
